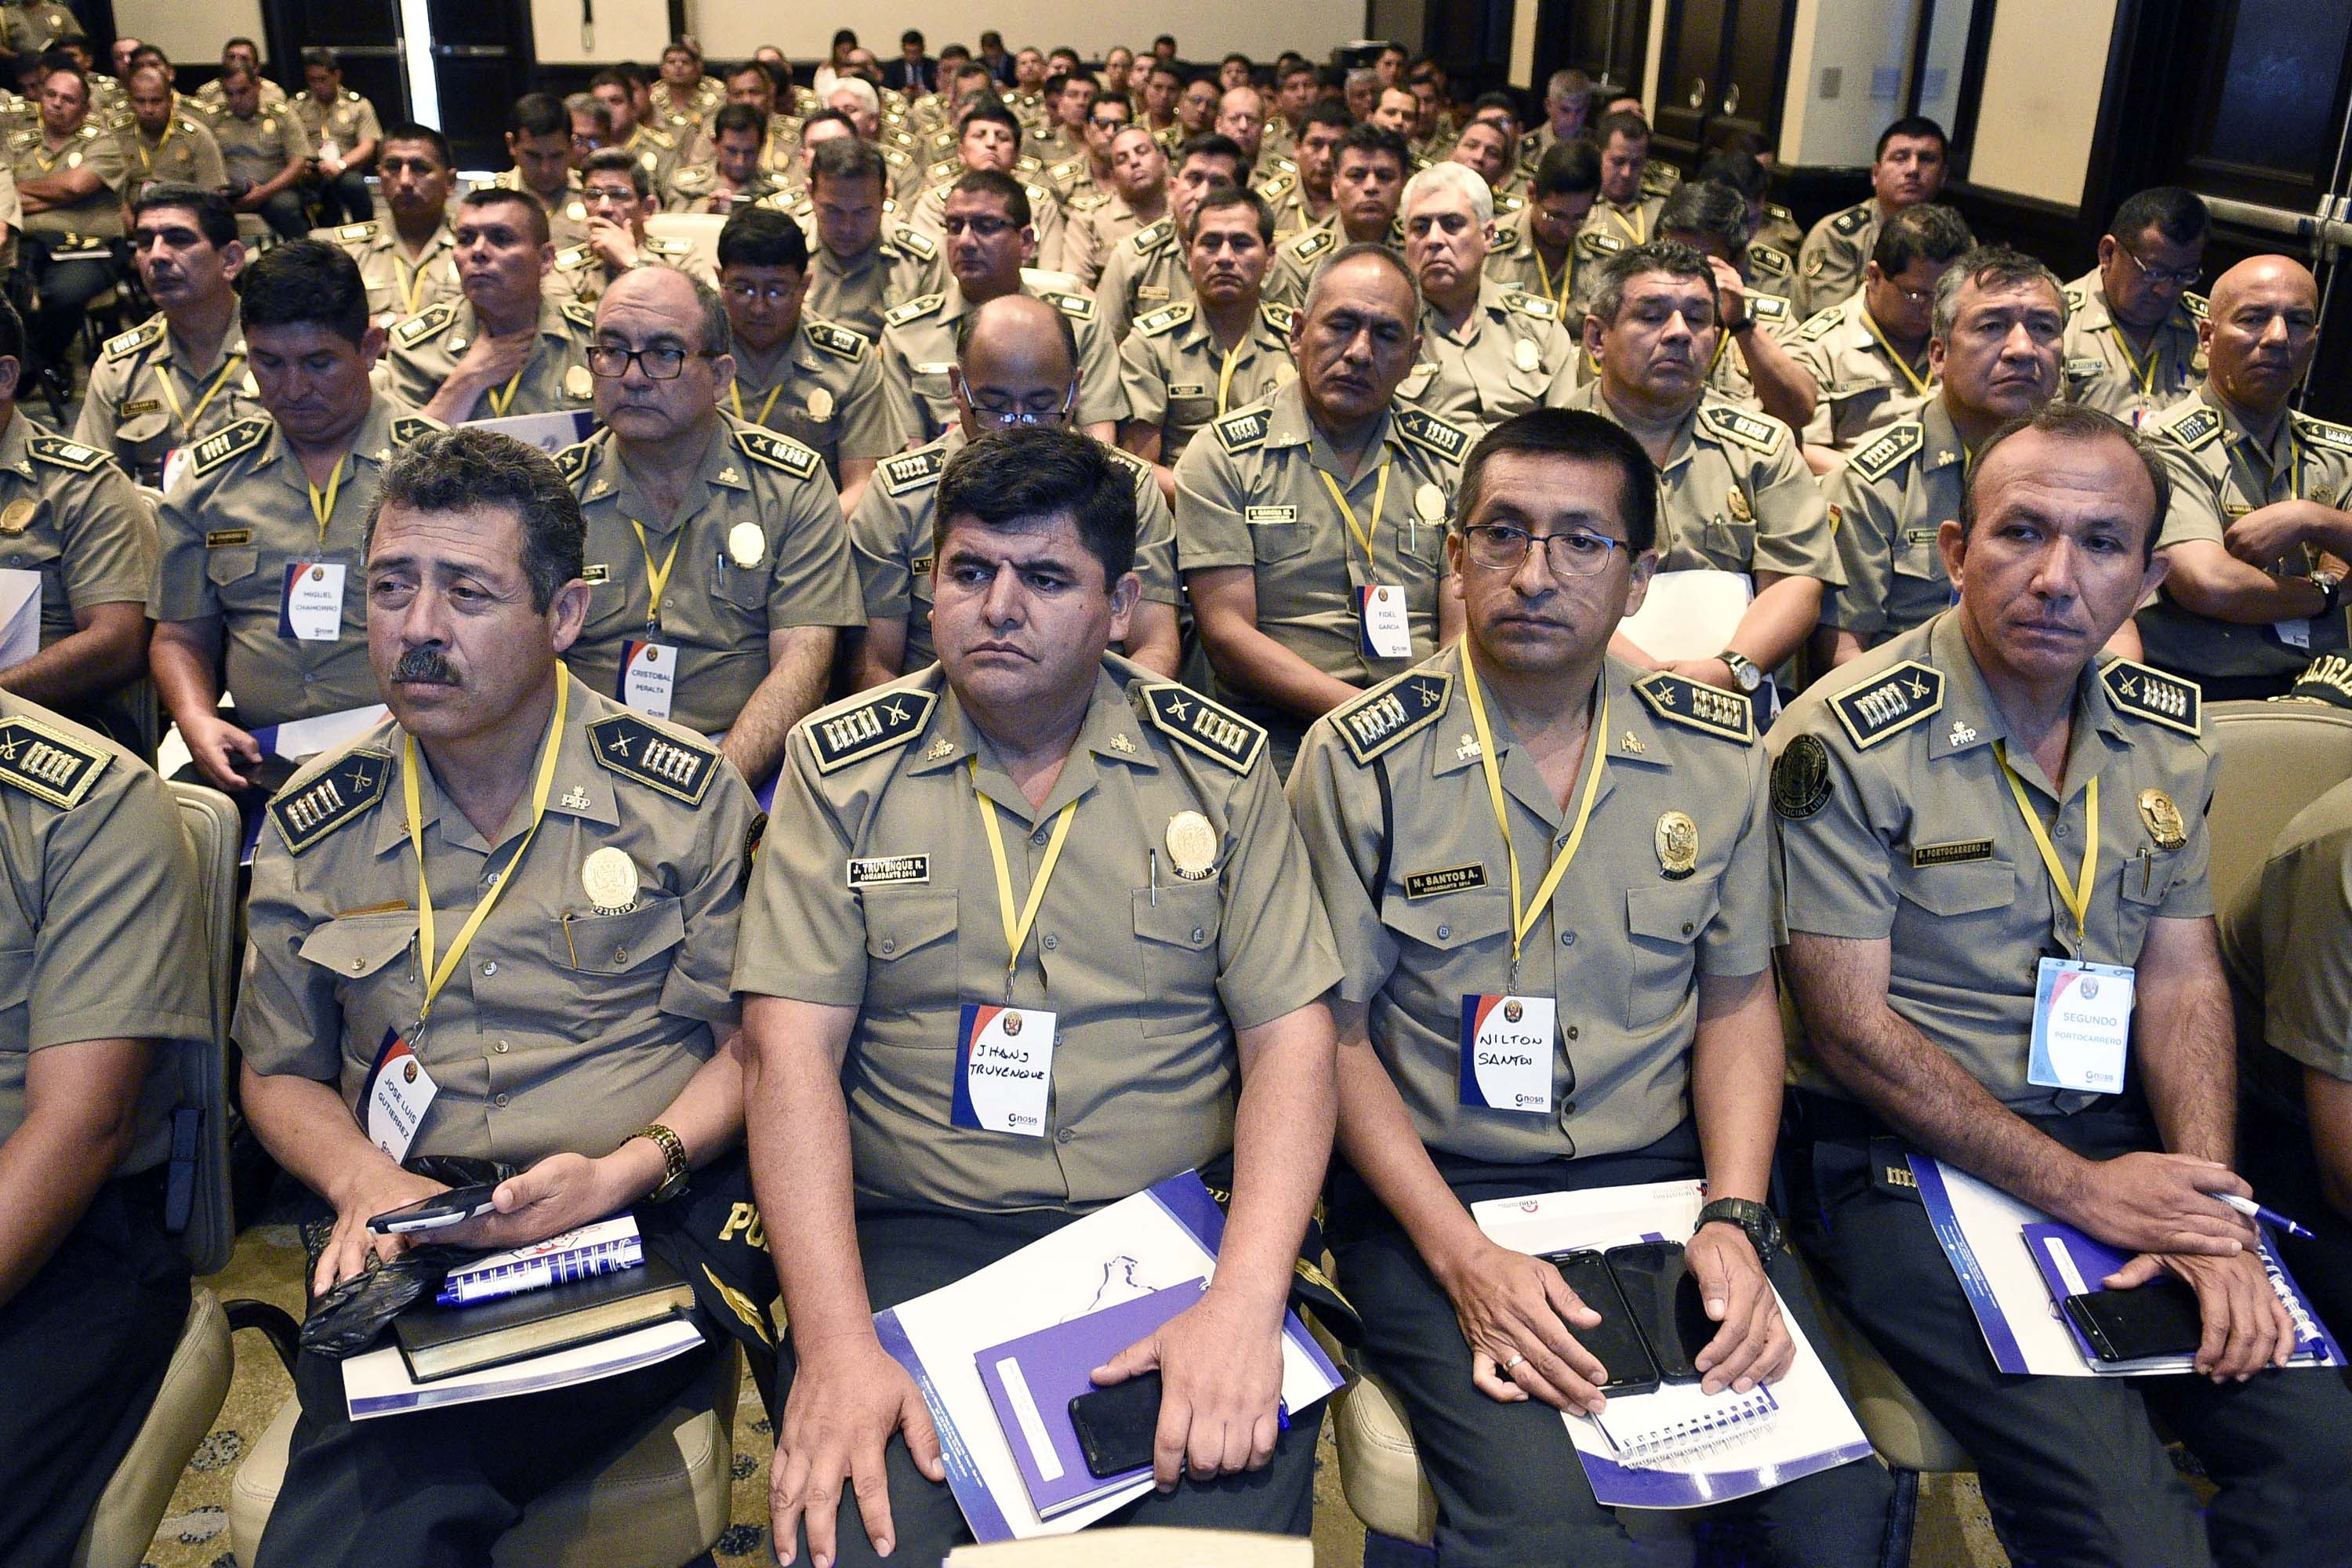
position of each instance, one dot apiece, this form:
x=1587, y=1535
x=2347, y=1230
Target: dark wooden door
x=1691, y=73
x=1608, y=40
x=360, y=32
x=481, y=64
x=1755, y=65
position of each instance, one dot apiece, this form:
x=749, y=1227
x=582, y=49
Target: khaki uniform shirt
x=2105, y=371
x=1778, y=231
x=567, y=217
x=237, y=522
x=2286, y=945
x=37, y=27
x=212, y=103
x=96, y=914
x=398, y=287
x=1896, y=824
x=824, y=391
x=1147, y=1007
x=96, y=218
x=568, y=1026
x=146, y=396
x=918, y=350
x=673, y=111
x=1769, y=271
x=1173, y=370
x=427, y=346
x=1886, y=503
x=2219, y=472
x=1830, y=262
x=757, y=546
x=335, y=129
x=1633, y=225
x=1292, y=216
x=1862, y=386
x=1095, y=228
x=1735, y=495
x=656, y=152
x=895, y=523
x=580, y=276
x=928, y=214
x=1515, y=263
x=186, y=154
x=859, y=293
x=1143, y=272
x=696, y=188
x=1511, y=354
x=1415, y=876
x=1726, y=373
x=259, y=149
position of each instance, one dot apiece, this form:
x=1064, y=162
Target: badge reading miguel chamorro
x=1677, y=840
x=2162, y=819
x=1192, y=846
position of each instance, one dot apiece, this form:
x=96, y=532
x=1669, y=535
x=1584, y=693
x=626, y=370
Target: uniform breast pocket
x=1190, y=406
x=623, y=948
x=229, y=567
x=910, y=953
x=741, y=588
x=1730, y=540
x=1176, y=939
x=1662, y=926
x=1281, y=538
x=1445, y=925
x=1916, y=555
x=1955, y=891
x=932, y=389
x=361, y=956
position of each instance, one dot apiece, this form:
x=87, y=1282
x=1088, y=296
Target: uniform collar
x=1288, y=423
x=723, y=468
x=1110, y=733
x=1677, y=450
x=2281, y=450
x=372, y=440
x=581, y=788
x=1456, y=745
x=231, y=342
x=2096, y=316
x=1970, y=719
x=1943, y=444
x=12, y=454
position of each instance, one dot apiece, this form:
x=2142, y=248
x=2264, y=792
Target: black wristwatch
x=1763, y=1231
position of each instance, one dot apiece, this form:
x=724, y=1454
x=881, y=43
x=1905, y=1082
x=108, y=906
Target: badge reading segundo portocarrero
x=1192, y=846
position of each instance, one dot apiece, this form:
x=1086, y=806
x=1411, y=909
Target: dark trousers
x=2074, y=1474
x=435, y=1489
x=82, y=1350
x=1511, y=1489
x=911, y=1252
x=284, y=213
x=63, y=288
x=344, y=198
x=2274, y=1153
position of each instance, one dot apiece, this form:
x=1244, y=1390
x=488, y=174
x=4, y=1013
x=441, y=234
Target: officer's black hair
x=1215, y=144
x=1570, y=433
x=1019, y=479
x=538, y=114
x=1508, y=102
x=621, y=160
x=493, y=195
x=465, y=470
x=991, y=111
x=415, y=130
x=325, y=59
x=1221, y=195
x=847, y=158
x=2074, y=423
x=1704, y=207
x=1567, y=168
x=2172, y=210
x=1373, y=138
x=1327, y=111
x=737, y=117
x=216, y=219
x=1737, y=168
x=305, y=282
x=999, y=184
x=1163, y=68
x=1607, y=295
x=1910, y=125
x=763, y=236
x=1928, y=232
x=1632, y=127
x=1989, y=268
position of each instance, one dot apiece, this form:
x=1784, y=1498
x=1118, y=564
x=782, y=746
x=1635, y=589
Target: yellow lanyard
x=1380, y=498
x=2145, y=374
x=1556, y=292
x=2076, y=894
x=147, y=157
x=656, y=578
x=1901, y=364
x=1225, y=381
x=1596, y=742
x=1633, y=229
x=735, y=391
x=188, y=418
x=1016, y=928
x=323, y=503
x=412, y=281
x=502, y=398
x=438, y=976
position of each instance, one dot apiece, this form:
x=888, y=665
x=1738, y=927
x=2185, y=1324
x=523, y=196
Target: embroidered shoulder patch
x=1388, y=713
x=1310, y=246
x=914, y=309
x=583, y=316
x=1852, y=221
x=1754, y=431
x=839, y=341
x=1769, y=307
x=1769, y=261
x=409, y=427
x=1889, y=702
x=1153, y=235
x=1725, y=714
x=661, y=758
x=1596, y=242
x=58, y=452
x=1185, y=715
x=2196, y=305
x=914, y=242
x=222, y=445
x=840, y=736
x=2195, y=428
x=2322, y=433
x=346, y=789
x=1879, y=456
x=1450, y=442
x=1239, y=432
x=1281, y=318
x=352, y=233
x=1165, y=319
x=777, y=451
x=429, y=322
x=47, y=763
x=1528, y=304
x=574, y=461
x=912, y=470
x=124, y=345
x=1077, y=307
x=2152, y=695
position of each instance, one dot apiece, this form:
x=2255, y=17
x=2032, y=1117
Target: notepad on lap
x=443, y=1341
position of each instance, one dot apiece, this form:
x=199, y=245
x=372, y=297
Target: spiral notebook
x=1665, y=1427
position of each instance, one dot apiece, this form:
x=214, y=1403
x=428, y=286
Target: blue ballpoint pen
x=2269, y=1216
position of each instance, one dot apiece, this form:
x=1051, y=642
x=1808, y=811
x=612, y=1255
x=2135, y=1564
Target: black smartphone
x=1616, y=1341
x=441, y=1209
x=2159, y=1318
x=1116, y=1425
x=1667, y=1307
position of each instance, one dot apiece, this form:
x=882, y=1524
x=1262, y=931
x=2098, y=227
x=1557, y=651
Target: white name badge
x=312, y=607
x=1507, y=1050
x=398, y=1092
x=649, y=677
x=1387, y=631
x=1004, y=1069
x=2295, y=633
x=2082, y=1026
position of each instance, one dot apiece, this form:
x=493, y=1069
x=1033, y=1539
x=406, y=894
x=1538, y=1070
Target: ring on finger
x=1516, y=1359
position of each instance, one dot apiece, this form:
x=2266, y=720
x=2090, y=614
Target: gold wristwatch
x=674, y=1169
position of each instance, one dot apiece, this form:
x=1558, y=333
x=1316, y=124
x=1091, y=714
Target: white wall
x=2043, y=74
x=1845, y=80
x=625, y=30
x=190, y=33
x=1203, y=29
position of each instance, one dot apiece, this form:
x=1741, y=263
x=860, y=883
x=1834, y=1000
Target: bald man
x=2258, y=532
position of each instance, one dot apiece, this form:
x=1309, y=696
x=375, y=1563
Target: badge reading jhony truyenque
x=1677, y=843
x=610, y=879
x=2162, y=819
x=1192, y=846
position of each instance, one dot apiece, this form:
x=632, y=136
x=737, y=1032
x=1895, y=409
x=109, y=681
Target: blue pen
x=2268, y=1217
x=1282, y=1415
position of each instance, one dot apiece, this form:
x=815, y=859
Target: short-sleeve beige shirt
x=2289, y=940
x=1174, y=373
x=185, y=153
x=918, y=350
x=1511, y=354
x=147, y=396
x=2103, y=369
x=1863, y=387
x=859, y=293
x=97, y=216
x=824, y=391
x=427, y=347
x=344, y=125
x=398, y=285
x=1885, y=504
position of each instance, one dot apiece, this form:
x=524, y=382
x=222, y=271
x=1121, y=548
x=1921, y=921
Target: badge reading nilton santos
x=820, y=405
x=1677, y=840
x=578, y=382
x=610, y=877
x=746, y=544
x=2163, y=819
x=1192, y=846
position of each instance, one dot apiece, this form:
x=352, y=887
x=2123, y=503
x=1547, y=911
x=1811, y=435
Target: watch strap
x=674, y=1166
x=1762, y=1229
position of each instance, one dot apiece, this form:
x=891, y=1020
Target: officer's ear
x=1637, y=583
x=372, y=345
x=567, y=616
x=1952, y=544
x=11, y=373
x=1124, y=595
x=233, y=258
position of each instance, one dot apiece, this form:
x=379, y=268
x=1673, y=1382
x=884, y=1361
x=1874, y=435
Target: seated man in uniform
x=539, y=140
x=1367, y=173
x=1868, y=354
x=1923, y=889
x=2132, y=347
x=163, y=143
x=1488, y=352
x=2261, y=524
x=345, y=137
x=862, y=262
x=1150, y=269
x=1541, y=255
x=738, y=645
x=69, y=173
x=237, y=54
x=110, y=985
x=1754, y=368
x=1133, y=195
x=1908, y=169
x=1626, y=213
x=1016, y=367
x=2000, y=316
x=988, y=141
x=1308, y=203
x=619, y=198
x=265, y=151
x=1311, y=527
x=410, y=265
x=179, y=376
x=538, y=802
x=508, y=344
x=1660, y=784
x=1221, y=1048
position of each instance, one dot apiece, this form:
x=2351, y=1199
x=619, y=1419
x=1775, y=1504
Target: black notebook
x=443, y=1341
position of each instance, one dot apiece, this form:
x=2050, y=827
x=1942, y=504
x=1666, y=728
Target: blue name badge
x=1507, y=1052
x=2082, y=1026
x=1004, y=1069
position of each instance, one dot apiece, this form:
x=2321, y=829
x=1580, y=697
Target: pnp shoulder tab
x=1852, y=221
x=2152, y=695
x=839, y=341
x=1239, y=432
x=1450, y=442
x=1769, y=307
x=124, y=345
x=1077, y=307
x=1767, y=260
x=914, y=309
x=580, y=315
x=1385, y=716
x=1528, y=304
x=840, y=736
x=573, y=461
x=2196, y=305
x=777, y=451
x=220, y=448
x=572, y=257
x=1153, y=235
x=1189, y=718
x=2196, y=428
x=47, y=763
x=1756, y=432
x=1889, y=702
x=1281, y=318
x=1726, y=715
x=1819, y=324
x=60, y=453
x=429, y=322
x=353, y=232
x=668, y=761
x=914, y=242
x=1881, y=456
x=1310, y=245
x=912, y=470
x=307, y=812
x=2321, y=433
x=410, y=427
x=1164, y=318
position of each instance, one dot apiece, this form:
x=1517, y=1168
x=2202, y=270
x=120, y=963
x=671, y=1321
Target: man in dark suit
x=914, y=72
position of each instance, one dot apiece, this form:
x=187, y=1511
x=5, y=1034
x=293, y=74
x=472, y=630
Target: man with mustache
x=1908, y=169
x=261, y=560
x=2259, y=531
x=1487, y=352
x=576, y=1025
x=1979, y=822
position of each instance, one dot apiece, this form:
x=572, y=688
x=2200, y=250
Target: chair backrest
x=697, y=230
x=2275, y=758
x=209, y=819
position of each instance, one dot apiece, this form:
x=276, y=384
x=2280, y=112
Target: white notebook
x=1679, y=1423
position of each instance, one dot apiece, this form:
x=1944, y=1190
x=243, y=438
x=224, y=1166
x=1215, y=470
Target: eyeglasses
x=2178, y=277
x=1106, y=122
x=750, y=293
x=659, y=364
x=996, y=418
x=606, y=196
x=1499, y=547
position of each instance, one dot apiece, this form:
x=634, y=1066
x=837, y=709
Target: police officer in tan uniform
x=988, y=141
x=1539, y=250
x=508, y=346
x=1753, y=365
x=619, y=198
x=164, y=144
x=1634, y=807
x=861, y=262
x=2261, y=522
x=1869, y=354
x=99, y=919
x=263, y=497
x=2131, y=323
x=733, y=178
x=1108, y=790
x=1487, y=352
x=1135, y=195
x=1999, y=320
x=684, y=97
x=539, y=140
x=411, y=263
x=1310, y=528
x=1906, y=169
x=68, y=180
x=576, y=1027
x=265, y=151
x=1150, y=267
x=237, y=52
x=1627, y=211
x=1932, y=798
x=181, y=375
x=345, y=137
x=719, y=561
x=1368, y=174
